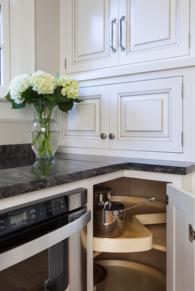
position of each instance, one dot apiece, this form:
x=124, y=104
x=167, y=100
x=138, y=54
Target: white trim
x=175, y=63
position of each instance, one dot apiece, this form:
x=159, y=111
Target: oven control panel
x=31, y=215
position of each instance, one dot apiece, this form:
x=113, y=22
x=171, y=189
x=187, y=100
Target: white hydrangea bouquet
x=45, y=92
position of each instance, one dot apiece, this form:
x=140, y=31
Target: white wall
x=34, y=44
x=22, y=37
x=47, y=35
x=14, y=124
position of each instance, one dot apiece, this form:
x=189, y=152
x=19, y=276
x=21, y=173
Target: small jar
x=102, y=194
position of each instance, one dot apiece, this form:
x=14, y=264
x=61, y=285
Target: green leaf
x=78, y=100
x=65, y=107
x=30, y=96
x=18, y=106
x=8, y=97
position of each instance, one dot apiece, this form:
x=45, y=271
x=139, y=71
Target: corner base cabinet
x=158, y=241
x=159, y=235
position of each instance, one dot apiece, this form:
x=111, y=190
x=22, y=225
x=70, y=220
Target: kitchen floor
x=26, y=276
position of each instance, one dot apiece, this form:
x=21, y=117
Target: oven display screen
x=18, y=218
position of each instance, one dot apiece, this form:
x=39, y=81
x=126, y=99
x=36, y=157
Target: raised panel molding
x=90, y=29
x=84, y=119
x=155, y=30
x=85, y=34
x=83, y=125
x=147, y=115
x=144, y=114
x=163, y=13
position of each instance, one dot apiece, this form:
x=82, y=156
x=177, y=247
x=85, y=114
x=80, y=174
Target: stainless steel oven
x=54, y=225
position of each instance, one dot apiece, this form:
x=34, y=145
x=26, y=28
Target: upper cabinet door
x=89, y=34
x=147, y=115
x=180, y=243
x=153, y=30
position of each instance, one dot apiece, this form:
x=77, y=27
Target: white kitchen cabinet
x=180, y=240
x=88, y=121
x=100, y=33
x=89, y=34
x=152, y=30
x=147, y=115
x=133, y=116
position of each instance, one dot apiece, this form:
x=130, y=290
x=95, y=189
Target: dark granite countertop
x=21, y=174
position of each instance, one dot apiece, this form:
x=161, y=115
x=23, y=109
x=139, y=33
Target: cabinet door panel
x=155, y=29
x=87, y=41
x=180, y=250
x=147, y=115
x=83, y=125
x=150, y=12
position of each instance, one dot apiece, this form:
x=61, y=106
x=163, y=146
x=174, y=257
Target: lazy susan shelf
x=142, y=233
x=123, y=274
x=156, y=224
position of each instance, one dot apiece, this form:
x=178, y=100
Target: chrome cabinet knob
x=103, y=135
x=111, y=135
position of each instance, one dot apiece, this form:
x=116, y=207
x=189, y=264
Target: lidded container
x=101, y=194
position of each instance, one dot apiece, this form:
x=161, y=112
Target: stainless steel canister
x=109, y=219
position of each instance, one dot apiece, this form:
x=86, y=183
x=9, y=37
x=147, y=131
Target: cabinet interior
x=140, y=188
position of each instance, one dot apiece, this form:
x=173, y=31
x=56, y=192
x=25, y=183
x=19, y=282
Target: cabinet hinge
x=167, y=200
x=182, y=139
x=65, y=63
x=182, y=91
x=189, y=39
x=191, y=233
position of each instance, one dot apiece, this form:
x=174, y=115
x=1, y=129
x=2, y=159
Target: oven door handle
x=31, y=248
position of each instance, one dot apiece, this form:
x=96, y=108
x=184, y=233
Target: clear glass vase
x=45, y=131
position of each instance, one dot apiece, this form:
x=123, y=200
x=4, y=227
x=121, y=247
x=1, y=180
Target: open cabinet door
x=180, y=246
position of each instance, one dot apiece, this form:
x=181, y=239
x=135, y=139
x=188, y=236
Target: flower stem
x=41, y=140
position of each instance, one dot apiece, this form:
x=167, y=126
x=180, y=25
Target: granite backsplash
x=16, y=155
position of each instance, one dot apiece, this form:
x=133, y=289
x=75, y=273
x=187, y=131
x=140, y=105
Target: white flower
x=61, y=81
x=43, y=83
x=70, y=87
x=19, y=85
